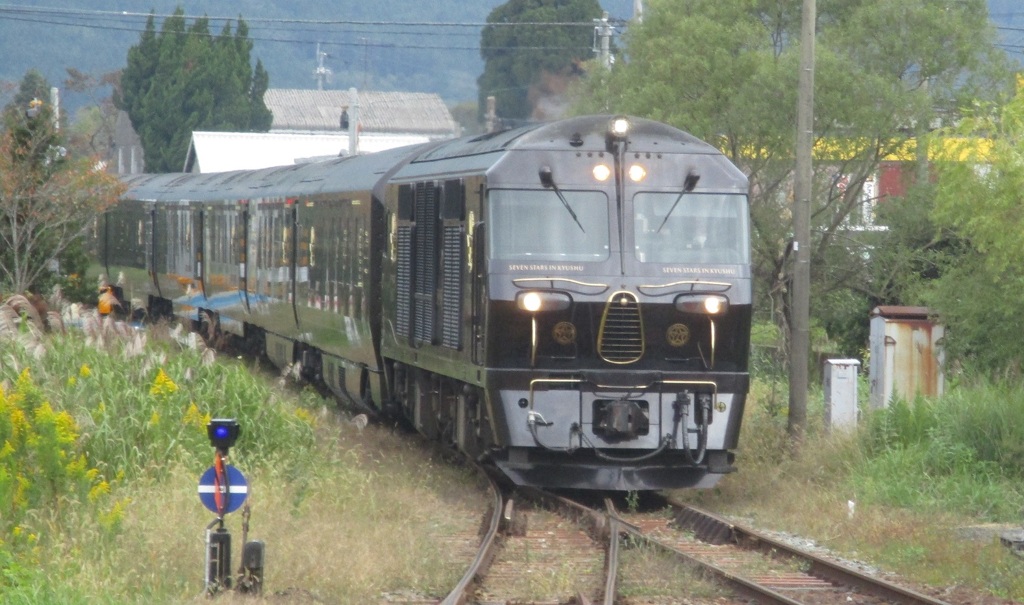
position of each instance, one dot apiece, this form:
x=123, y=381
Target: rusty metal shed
x=906, y=354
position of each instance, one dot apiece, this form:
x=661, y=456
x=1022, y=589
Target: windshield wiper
x=548, y=180
x=688, y=185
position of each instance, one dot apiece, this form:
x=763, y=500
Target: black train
x=570, y=301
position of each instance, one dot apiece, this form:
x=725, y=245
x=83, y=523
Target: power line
x=63, y=12
x=134, y=22
x=358, y=43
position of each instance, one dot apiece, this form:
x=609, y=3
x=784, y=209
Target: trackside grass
x=922, y=488
x=103, y=439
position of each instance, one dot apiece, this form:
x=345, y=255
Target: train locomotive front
x=597, y=335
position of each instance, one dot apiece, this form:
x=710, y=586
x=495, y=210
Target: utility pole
x=322, y=73
x=638, y=10
x=603, y=32
x=801, y=301
x=491, y=115
x=353, y=121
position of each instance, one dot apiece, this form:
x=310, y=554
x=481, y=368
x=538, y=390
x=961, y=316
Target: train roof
x=355, y=173
x=586, y=132
x=455, y=156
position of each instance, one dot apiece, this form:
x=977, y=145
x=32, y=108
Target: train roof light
x=618, y=131
x=602, y=172
x=619, y=127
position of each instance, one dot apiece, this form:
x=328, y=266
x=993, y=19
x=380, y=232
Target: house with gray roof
x=307, y=126
x=418, y=113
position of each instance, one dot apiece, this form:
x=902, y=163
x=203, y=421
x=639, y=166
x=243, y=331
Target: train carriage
x=570, y=301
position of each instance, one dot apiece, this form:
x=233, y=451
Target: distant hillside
x=375, y=54
x=366, y=46
x=1008, y=15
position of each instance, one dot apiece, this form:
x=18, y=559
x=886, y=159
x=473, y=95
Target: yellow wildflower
x=72, y=381
x=98, y=491
x=84, y=371
x=304, y=415
x=162, y=384
x=154, y=419
x=193, y=417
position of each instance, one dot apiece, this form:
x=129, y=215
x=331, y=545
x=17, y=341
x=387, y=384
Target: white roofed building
x=307, y=126
x=224, y=151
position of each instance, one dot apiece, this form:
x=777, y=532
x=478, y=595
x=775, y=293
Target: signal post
x=223, y=489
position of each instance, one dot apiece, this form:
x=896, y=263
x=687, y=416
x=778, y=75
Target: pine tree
x=185, y=79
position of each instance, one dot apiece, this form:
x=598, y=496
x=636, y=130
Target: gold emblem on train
x=677, y=335
x=564, y=333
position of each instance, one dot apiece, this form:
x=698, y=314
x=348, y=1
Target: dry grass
x=808, y=493
x=363, y=523
x=647, y=573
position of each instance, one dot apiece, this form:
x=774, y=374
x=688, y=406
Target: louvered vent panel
x=403, y=287
x=622, y=331
x=451, y=272
x=426, y=263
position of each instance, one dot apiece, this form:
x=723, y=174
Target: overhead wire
x=265, y=29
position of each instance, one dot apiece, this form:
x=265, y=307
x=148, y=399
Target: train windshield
x=536, y=225
x=694, y=228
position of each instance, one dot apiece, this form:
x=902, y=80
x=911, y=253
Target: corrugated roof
x=390, y=112
x=224, y=151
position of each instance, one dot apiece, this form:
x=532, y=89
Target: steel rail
x=488, y=548
x=741, y=585
x=710, y=527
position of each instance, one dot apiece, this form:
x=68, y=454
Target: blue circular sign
x=232, y=495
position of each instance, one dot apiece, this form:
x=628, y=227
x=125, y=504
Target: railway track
x=540, y=548
x=762, y=568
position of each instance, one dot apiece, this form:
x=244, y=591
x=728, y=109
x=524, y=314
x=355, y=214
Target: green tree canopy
x=524, y=64
x=978, y=205
x=727, y=71
x=48, y=198
x=185, y=79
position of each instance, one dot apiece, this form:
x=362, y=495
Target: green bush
x=961, y=453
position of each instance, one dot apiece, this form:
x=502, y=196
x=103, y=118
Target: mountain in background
x=1008, y=17
x=367, y=45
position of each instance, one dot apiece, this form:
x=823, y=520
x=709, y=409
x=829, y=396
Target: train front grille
x=621, y=337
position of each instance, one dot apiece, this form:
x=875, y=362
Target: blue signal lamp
x=223, y=432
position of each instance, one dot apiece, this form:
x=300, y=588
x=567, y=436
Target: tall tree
x=726, y=70
x=183, y=79
x=47, y=198
x=978, y=206
x=529, y=66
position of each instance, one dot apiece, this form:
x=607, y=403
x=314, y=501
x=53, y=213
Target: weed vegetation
x=102, y=442
x=103, y=438
x=923, y=489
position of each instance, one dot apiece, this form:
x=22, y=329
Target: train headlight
x=602, y=172
x=706, y=304
x=536, y=300
x=637, y=173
